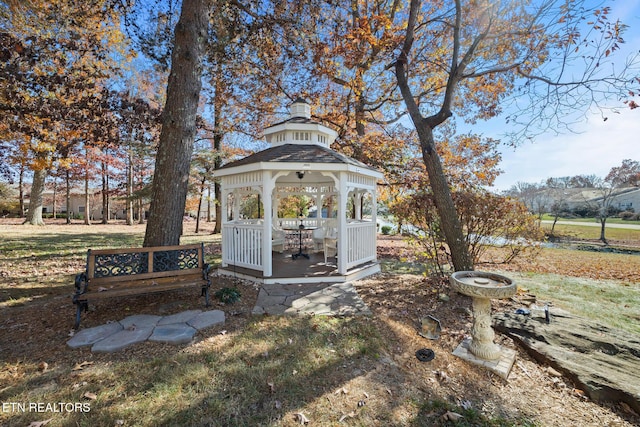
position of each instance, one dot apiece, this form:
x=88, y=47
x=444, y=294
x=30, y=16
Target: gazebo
x=331, y=238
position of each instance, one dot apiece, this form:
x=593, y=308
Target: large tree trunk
x=170, y=180
x=449, y=220
x=451, y=226
x=209, y=203
x=217, y=147
x=34, y=216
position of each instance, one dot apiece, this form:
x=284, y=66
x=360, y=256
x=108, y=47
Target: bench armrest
x=81, y=284
x=206, y=268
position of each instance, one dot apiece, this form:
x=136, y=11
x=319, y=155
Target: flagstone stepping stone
x=122, y=339
x=92, y=335
x=179, y=328
x=183, y=317
x=207, y=319
x=175, y=333
x=140, y=321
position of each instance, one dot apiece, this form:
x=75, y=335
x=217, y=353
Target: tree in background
x=625, y=175
x=488, y=220
x=246, y=54
x=558, y=195
x=618, y=178
x=596, y=196
x=243, y=65
x=8, y=201
x=473, y=58
x=352, y=42
x=56, y=57
x=202, y=167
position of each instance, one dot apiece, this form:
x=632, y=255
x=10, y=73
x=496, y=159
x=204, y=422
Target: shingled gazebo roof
x=298, y=153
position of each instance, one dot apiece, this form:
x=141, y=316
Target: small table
x=299, y=232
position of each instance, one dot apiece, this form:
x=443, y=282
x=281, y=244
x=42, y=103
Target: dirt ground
x=38, y=330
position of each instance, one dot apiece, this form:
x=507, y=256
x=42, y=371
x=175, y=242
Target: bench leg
x=79, y=307
x=205, y=294
x=78, y=312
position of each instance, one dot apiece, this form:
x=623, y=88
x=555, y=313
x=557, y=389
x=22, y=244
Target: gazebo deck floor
x=308, y=270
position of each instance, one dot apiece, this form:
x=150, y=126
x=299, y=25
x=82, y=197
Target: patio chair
x=277, y=240
x=330, y=248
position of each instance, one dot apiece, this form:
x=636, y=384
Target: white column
x=275, y=201
x=374, y=218
x=225, y=218
x=267, y=193
x=343, y=244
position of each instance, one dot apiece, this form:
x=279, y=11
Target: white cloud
x=599, y=146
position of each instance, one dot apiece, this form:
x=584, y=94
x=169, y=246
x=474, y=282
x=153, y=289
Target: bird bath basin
x=479, y=284
x=483, y=287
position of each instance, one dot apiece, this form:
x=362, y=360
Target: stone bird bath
x=481, y=350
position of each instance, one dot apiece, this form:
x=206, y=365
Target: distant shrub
x=488, y=220
x=386, y=229
x=627, y=215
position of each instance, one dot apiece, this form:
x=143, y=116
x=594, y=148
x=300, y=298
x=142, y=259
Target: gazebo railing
x=242, y=245
x=285, y=223
x=361, y=237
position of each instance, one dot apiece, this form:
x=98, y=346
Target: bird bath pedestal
x=480, y=349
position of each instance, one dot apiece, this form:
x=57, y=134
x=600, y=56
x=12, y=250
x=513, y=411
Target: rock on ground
x=603, y=362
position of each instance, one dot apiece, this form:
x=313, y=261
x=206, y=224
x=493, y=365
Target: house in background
x=624, y=199
x=77, y=204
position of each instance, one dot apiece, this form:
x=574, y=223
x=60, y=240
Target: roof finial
x=300, y=108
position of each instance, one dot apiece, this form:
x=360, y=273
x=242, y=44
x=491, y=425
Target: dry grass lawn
x=267, y=371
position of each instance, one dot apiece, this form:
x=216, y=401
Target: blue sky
x=596, y=147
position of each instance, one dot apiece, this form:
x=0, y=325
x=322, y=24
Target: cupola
x=300, y=109
x=299, y=128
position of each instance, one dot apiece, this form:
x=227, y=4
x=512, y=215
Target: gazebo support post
x=225, y=216
x=343, y=196
x=267, y=193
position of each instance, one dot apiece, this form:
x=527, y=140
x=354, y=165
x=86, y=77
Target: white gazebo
x=332, y=238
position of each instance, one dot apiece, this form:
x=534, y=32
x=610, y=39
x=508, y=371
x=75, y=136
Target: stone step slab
x=91, y=336
x=122, y=339
x=179, y=328
x=140, y=321
x=207, y=319
x=182, y=317
x=175, y=333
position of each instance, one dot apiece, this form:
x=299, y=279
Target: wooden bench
x=135, y=271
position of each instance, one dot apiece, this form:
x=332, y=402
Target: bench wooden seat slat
x=184, y=278
x=142, y=276
x=130, y=271
x=138, y=290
